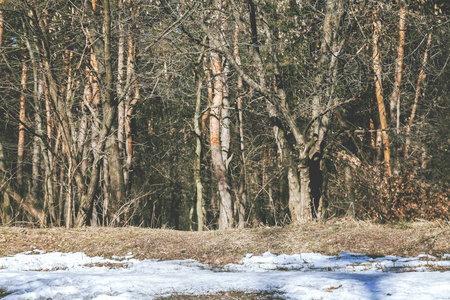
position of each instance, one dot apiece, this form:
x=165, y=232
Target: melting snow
x=39, y=275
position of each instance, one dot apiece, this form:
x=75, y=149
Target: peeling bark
x=226, y=209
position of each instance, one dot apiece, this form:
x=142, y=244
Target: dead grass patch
x=229, y=246
x=3, y=293
x=227, y=296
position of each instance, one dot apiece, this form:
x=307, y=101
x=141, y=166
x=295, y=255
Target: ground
x=219, y=248
x=222, y=247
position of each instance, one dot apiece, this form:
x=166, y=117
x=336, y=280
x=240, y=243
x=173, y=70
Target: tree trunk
x=197, y=161
x=120, y=73
x=109, y=108
x=5, y=208
x=226, y=209
x=304, y=213
x=130, y=101
x=422, y=76
x=395, y=97
x=22, y=118
x=36, y=157
x=68, y=204
x=379, y=93
x=129, y=133
x=225, y=133
x=107, y=218
x=242, y=190
x=1, y=24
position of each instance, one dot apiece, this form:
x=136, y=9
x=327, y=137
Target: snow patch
x=39, y=275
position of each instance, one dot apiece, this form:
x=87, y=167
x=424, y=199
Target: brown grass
x=222, y=247
x=226, y=296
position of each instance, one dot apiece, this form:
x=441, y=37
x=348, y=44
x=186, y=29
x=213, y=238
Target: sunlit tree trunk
x=421, y=78
x=132, y=97
x=129, y=108
x=395, y=97
x=376, y=57
x=120, y=74
x=35, y=164
x=83, y=127
x=226, y=209
x=46, y=151
x=225, y=133
x=106, y=191
x=242, y=190
x=1, y=24
x=22, y=118
x=198, y=154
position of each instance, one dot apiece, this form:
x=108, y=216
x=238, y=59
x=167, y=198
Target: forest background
x=200, y=115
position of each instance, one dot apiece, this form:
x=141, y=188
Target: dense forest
x=219, y=114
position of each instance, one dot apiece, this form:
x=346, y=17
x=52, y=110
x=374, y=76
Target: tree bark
x=395, y=97
x=197, y=161
x=22, y=118
x=376, y=57
x=5, y=208
x=130, y=101
x=226, y=209
x=120, y=73
x=421, y=78
x=242, y=190
x=110, y=108
x=1, y=24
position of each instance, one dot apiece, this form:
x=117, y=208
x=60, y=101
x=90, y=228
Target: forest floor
x=230, y=246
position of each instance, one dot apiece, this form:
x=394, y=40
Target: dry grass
x=222, y=247
x=227, y=296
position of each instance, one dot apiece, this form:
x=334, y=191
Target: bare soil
x=229, y=246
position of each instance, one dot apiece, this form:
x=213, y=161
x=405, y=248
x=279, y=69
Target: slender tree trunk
x=68, y=207
x=379, y=93
x=36, y=139
x=225, y=133
x=83, y=129
x=129, y=132
x=1, y=24
x=242, y=191
x=197, y=161
x=120, y=74
x=22, y=118
x=106, y=191
x=348, y=179
x=5, y=208
x=45, y=151
x=130, y=102
x=421, y=78
x=35, y=167
x=209, y=88
x=395, y=97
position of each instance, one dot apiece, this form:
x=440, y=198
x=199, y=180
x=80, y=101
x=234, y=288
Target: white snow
x=39, y=275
